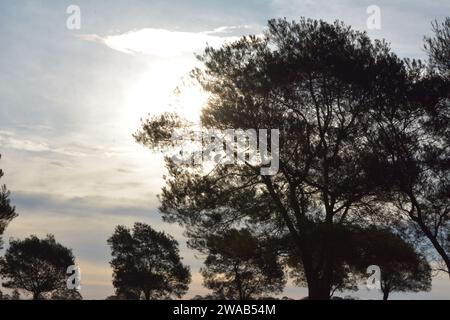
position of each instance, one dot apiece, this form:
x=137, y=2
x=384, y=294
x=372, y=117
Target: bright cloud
x=165, y=43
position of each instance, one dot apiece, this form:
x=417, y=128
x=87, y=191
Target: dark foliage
x=240, y=267
x=402, y=268
x=147, y=263
x=36, y=266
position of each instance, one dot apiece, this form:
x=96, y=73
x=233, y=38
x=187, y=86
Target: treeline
x=147, y=265
x=239, y=266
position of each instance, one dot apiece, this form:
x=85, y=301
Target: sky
x=70, y=100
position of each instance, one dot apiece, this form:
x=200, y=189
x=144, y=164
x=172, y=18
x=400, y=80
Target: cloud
x=235, y=30
x=8, y=140
x=85, y=205
x=20, y=142
x=165, y=43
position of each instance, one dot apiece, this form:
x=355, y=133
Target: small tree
x=147, y=262
x=402, y=268
x=7, y=212
x=37, y=266
x=414, y=277
x=238, y=266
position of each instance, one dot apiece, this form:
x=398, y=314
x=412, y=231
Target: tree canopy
x=403, y=269
x=147, y=263
x=240, y=267
x=36, y=266
x=331, y=92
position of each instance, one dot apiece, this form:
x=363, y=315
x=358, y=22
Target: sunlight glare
x=156, y=92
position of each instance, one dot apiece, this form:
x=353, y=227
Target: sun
x=164, y=87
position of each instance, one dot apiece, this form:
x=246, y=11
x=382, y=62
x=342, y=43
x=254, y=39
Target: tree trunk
x=385, y=295
x=36, y=295
x=319, y=288
x=318, y=291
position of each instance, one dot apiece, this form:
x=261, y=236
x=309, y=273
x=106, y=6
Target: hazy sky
x=71, y=99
